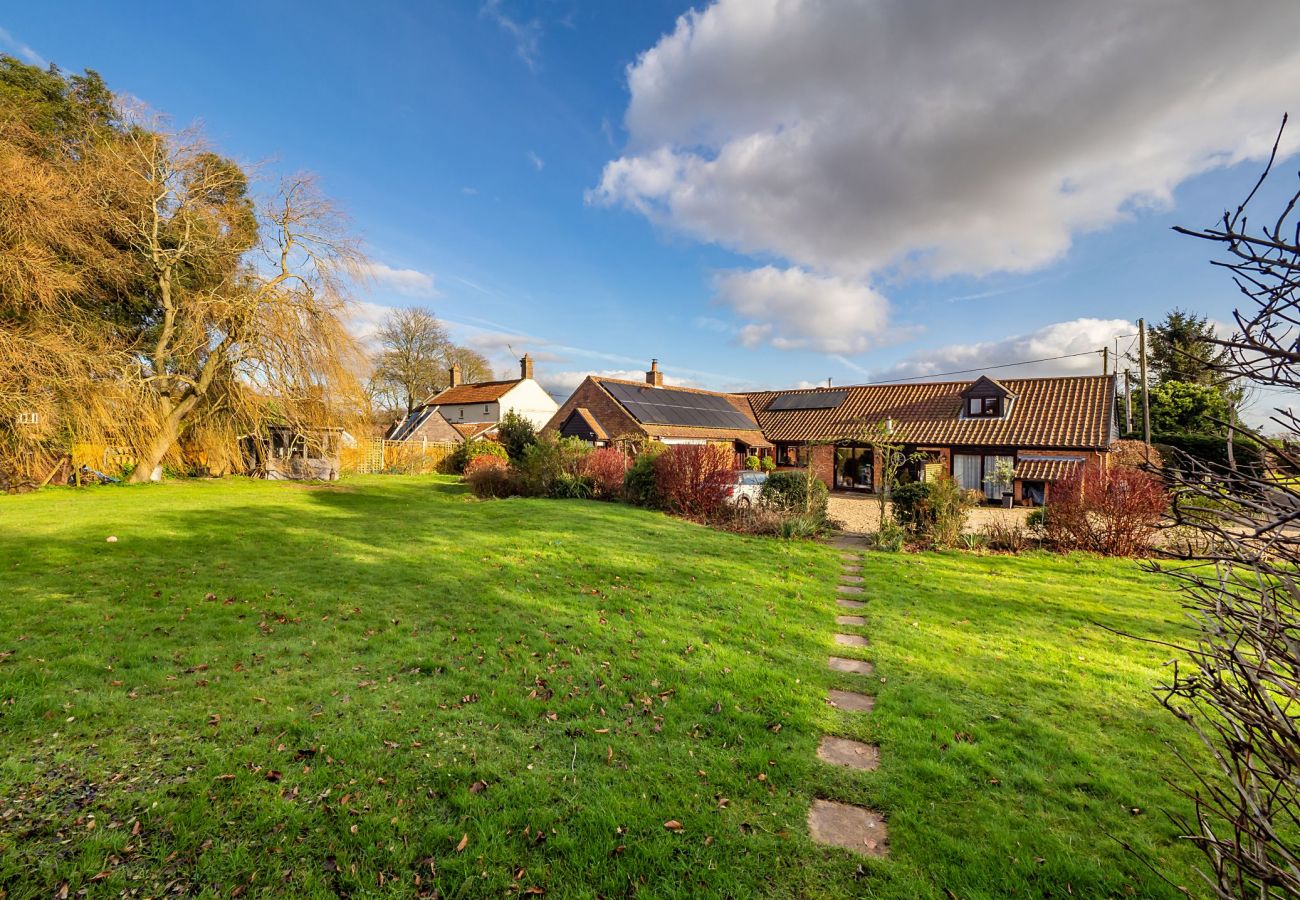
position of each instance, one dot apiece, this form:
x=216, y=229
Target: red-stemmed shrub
x=606, y=467
x=693, y=478
x=490, y=476
x=1112, y=512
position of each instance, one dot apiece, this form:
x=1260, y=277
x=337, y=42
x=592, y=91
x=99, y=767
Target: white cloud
x=882, y=140
x=409, y=282
x=792, y=309
x=537, y=161
x=526, y=35
x=26, y=53
x=1061, y=339
x=364, y=319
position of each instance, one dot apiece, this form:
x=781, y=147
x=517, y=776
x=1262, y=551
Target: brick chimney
x=526, y=367
x=455, y=375
x=654, y=377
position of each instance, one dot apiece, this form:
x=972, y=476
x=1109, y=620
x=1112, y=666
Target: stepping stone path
x=842, y=824
x=850, y=827
x=844, y=752
x=851, y=702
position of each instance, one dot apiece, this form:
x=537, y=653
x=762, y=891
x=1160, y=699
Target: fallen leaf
x=673, y=825
x=464, y=842
x=478, y=787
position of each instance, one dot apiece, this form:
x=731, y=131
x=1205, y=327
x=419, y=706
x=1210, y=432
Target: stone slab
x=850, y=620
x=850, y=701
x=850, y=604
x=849, y=589
x=852, y=640
x=852, y=568
x=851, y=579
x=855, y=666
x=851, y=827
x=850, y=754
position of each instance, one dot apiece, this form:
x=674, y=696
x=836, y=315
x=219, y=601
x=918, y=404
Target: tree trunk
x=162, y=441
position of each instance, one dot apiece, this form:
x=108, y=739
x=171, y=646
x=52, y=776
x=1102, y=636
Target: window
x=792, y=454
x=460, y=414
x=984, y=406
x=487, y=410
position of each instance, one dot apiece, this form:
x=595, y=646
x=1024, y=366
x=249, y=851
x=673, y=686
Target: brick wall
x=612, y=417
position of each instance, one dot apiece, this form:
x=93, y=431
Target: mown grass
x=284, y=690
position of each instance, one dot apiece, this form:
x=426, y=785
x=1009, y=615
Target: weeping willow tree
x=147, y=298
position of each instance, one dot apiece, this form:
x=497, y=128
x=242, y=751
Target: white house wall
x=529, y=400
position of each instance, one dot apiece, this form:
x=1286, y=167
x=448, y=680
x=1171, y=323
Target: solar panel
x=809, y=400
x=665, y=406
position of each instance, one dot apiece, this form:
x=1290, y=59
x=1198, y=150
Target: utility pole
x=1128, y=402
x=1146, y=388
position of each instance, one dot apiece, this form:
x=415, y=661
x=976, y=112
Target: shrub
x=933, y=511
x=911, y=506
x=516, y=434
x=1208, y=448
x=489, y=477
x=1133, y=454
x=640, y=486
x=773, y=521
x=467, y=450
x=1035, y=519
x=767, y=464
x=788, y=491
x=606, y=469
x=1005, y=536
x=1113, y=512
x=752, y=463
x=692, y=479
x=548, y=467
x=950, y=506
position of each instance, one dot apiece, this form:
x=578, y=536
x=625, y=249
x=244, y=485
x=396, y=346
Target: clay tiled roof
x=1071, y=412
x=1047, y=468
x=471, y=430
x=478, y=392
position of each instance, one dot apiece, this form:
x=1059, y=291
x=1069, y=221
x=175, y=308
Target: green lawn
x=384, y=687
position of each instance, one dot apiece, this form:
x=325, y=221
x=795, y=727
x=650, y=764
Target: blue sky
x=501, y=162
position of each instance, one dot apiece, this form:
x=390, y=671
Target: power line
x=1023, y=362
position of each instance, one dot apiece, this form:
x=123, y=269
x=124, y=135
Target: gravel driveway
x=860, y=514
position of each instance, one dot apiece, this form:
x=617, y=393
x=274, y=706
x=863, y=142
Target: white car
x=745, y=488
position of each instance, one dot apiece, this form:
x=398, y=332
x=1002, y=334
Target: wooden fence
x=395, y=457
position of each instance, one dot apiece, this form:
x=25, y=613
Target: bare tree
x=1238, y=684
x=413, y=350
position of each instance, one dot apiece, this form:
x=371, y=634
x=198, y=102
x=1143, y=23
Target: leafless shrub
x=1238, y=685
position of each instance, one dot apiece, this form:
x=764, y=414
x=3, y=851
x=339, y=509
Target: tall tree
x=413, y=349
x=1183, y=348
x=474, y=366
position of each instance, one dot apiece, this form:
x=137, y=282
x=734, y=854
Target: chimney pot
x=526, y=367
x=654, y=377
x=455, y=375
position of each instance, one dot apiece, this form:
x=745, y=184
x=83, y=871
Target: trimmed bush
x=752, y=463
x=767, y=464
x=606, y=469
x=692, y=479
x=468, y=450
x=1113, y=512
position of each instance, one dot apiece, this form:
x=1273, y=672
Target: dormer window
x=986, y=399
